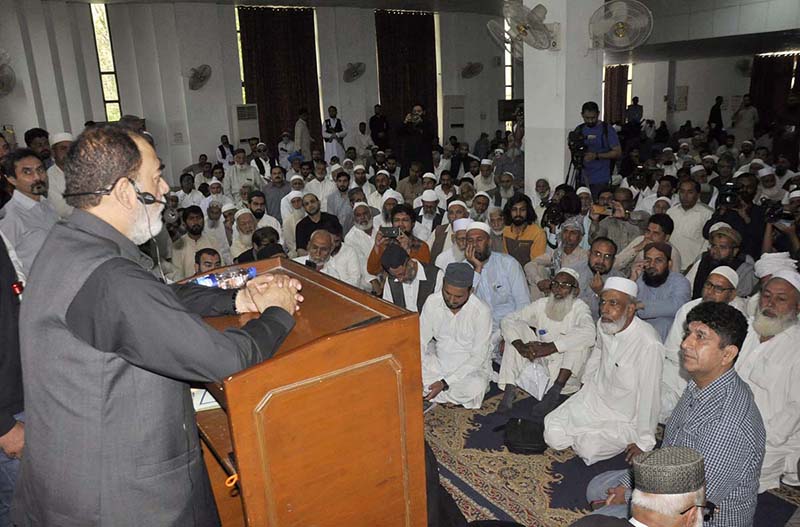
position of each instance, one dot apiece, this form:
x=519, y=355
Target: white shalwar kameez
x=772, y=370
x=455, y=347
x=619, y=402
x=574, y=337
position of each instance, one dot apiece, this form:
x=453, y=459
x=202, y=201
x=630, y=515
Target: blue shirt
x=661, y=303
x=599, y=170
x=502, y=285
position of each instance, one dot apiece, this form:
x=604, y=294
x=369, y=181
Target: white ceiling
x=493, y=7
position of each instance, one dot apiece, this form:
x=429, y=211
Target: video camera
x=775, y=213
x=576, y=143
x=728, y=194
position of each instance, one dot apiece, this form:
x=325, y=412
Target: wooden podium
x=328, y=432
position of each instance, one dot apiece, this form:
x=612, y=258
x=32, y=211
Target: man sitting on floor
x=557, y=329
x=716, y=416
x=617, y=408
x=455, y=330
x=409, y=282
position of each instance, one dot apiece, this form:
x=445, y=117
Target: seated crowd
x=668, y=295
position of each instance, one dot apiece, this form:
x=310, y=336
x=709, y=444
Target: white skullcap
x=507, y=172
x=228, y=207
x=347, y=160
x=747, y=141
x=457, y=202
x=711, y=157
x=484, y=194
x=666, y=149
x=392, y=194
x=359, y=204
x=294, y=194
x=60, y=138
x=623, y=285
x=793, y=277
x=570, y=271
x=684, y=144
x=663, y=198
x=261, y=144
x=583, y=190
x=359, y=167
x=499, y=150
x=214, y=181
x=794, y=194
x=718, y=225
x=380, y=152
x=758, y=161
x=429, y=175
x=697, y=168
x=336, y=167
x=486, y=162
x=770, y=263
x=461, y=224
x=481, y=226
x=242, y=212
x=429, y=195
x=766, y=171
x=309, y=193
x=385, y=172
x=727, y=273
x=297, y=176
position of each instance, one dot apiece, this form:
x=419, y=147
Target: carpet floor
x=549, y=490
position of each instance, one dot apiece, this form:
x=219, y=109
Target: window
x=508, y=71
x=241, y=62
x=105, y=60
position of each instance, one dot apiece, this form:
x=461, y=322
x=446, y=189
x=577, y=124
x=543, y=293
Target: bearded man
x=244, y=227
x=569, y=253
x=428, y=214
x=616, y=410
x=215, y=227
x=361, y=239
x=456, y=252
x=561, y=341
x=770, y=365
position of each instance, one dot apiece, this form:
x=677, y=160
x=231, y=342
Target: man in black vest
x=409, y=282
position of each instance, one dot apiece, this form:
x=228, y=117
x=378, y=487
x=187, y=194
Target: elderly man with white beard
x=320, y=248
x=456, y=251
x=616, y=410
x=361, y=238
x=428, y=215
x=291, y=218
x=216, y=228
x=569, y=253
x=720, y=286
x=244, y=227
x=770, y=364
x=764, y=268
x=563, y=336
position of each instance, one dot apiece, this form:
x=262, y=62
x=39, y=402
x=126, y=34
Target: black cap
x=393, y=256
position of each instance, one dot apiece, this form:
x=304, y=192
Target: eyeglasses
x=717, y=288
x=708, y=510
x=562, y=285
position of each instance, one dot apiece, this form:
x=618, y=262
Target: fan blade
x=498, y=34
x=619, y=43
x=603, y=26
x=619, y=10
x=515, y=11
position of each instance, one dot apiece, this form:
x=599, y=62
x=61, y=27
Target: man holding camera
x=744, y=216
x=600, y=146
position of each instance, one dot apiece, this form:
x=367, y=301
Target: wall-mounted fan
x=199, y=76
x=7, y=76
x=354, y=70
x=620, y=25
x=472, y=69
x=525, y=26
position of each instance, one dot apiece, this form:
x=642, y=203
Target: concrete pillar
x=556, y=84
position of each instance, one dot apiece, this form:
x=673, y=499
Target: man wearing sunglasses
x=716, y=415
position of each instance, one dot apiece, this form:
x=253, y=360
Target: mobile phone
x=390, y=232
x=600, y=210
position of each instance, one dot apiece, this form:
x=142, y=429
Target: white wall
x=464, y=39
x=694, y=19
x=650, y=84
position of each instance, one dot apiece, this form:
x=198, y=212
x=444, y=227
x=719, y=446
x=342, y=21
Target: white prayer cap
x=385, y=172
x=296, y=177
x=623, y=285
x=241, y=212
x=711, y=157
x=60, y=138
x=461, y=224
x=794, y=194
x=294, y=194
x=359, y=167
x=718, y=225
x=214, y=181
x=261, y=144
x=486, y=162
x=228, y=207
x=308, y=193
x=663, y=198
x=727, y=273
x=766, y=171
x=484, y=194
x=359, y=204
x=391, y=194
x=666, y=149
x=697, y=168
x=583, y=190
x=347, y=160
x=336, y=167
x=457, y=202
x=770, y=263
x=758, y=161
x=684, y=144
x=429, y=195
x=747, y=141
x=793, y=277
x=379, y=152
x=507, y=172
x=429, y=175
x=499, y=151
x=570, y=271
x=481, y=226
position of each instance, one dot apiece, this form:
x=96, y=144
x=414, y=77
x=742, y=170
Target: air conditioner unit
x=246, y=122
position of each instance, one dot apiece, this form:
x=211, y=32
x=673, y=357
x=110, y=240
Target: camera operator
x=782, y=232
x=600, y=146
x=738, y=210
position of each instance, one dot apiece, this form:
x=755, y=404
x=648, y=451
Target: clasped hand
x=270, y=290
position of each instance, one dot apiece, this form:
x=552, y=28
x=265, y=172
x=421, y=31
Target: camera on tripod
x=576, y=142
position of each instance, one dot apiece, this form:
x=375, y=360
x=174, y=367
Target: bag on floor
x=523, y=436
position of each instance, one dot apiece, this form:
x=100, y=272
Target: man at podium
x=108, y=351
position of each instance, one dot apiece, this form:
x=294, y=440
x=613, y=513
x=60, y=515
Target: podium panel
x=329, y=432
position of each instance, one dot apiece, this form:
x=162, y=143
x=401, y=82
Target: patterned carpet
x=547, y=490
